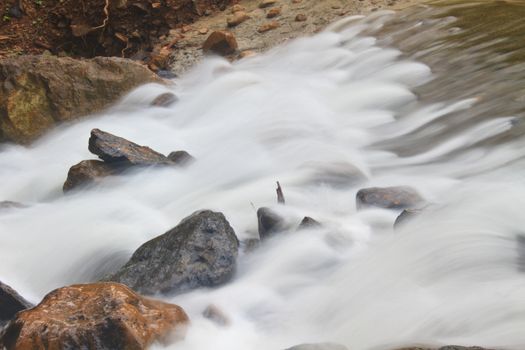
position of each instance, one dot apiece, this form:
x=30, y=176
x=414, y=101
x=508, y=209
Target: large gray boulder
x=10, y=303
x=199, y=252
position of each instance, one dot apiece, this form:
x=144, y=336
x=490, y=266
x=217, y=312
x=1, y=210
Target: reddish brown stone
x=221, y=42
x=274, y=12
x=237, y=18
x=268, y=26
x=300, y=17
x=94, y=316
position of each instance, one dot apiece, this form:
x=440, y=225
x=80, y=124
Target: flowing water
x=431, y=97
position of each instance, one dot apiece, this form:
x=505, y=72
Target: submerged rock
x=164, y=100
x=94, y=316
x=220, y=42
x=10, y=303
x=406, y=215
x=181, y=158
x=398, y=197
x=269, y=223
x=11, y=205
x=213, y=313
x=38, y=92
x=115, y=149
x=308, y=223
x=251, y=244
x=88, y=172
x=448, y=347
x=201, y=251
x=319, y=346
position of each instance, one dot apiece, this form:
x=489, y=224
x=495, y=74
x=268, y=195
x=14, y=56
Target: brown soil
x=89, y=28
x=186, y=48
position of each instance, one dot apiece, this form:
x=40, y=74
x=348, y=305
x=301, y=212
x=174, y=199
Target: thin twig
x=280, y=195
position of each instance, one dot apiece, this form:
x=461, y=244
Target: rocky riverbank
x=259, y=25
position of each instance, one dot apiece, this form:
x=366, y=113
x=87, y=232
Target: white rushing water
x=306, y=114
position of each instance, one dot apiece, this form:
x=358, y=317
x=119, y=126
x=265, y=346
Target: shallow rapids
x=318, y=114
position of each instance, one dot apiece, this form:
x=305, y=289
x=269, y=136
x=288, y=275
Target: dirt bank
x=186, y=43
x=89, y=28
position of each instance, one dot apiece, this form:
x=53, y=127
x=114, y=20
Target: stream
x=430, y=97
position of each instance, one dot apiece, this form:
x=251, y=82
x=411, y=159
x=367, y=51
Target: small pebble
x=300, y=17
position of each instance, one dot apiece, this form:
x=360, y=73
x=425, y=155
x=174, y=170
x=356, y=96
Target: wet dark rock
x=10, y=303
x=269, y=223
x=88, y=172
x=166, y=74
x=114, y=149
x=181, y=158
x=220, y=42
x=199, y=252
x=399, y=197
x=319, y=346
x=308, y=223
x=94, y=316
x=213, y=313
x=164, y=100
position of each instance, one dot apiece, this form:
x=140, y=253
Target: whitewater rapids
x=306, y=114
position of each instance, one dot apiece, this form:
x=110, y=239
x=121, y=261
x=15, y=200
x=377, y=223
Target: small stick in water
x=280, y=195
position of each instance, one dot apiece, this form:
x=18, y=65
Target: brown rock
x=237, y=18
x=273, y=12
x=221, y=42
x=398, y=197
x=160, y=58
x=247, y=53
x=267, y=3
x=88, y=172
x=237, y=8
x=164, y=100
x=37, y=92
x=296, y=1
x=268, y=26
x=10, y=303
x=300, y=17
x=203, y=31
x=185, y=28
x=114, y=149
x=94, y=316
